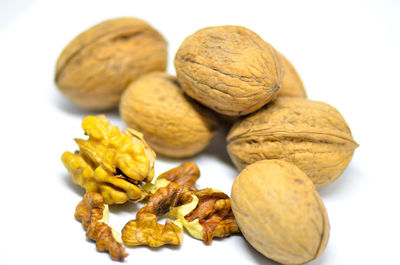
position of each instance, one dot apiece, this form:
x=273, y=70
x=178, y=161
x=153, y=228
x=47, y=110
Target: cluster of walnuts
x=224, y=75
x=225, y=70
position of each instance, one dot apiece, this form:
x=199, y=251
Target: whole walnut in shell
x=172, y=124
x=279, y=212
x=292, y=86
x=229, y=69
x=95, y=67
x=312, y=135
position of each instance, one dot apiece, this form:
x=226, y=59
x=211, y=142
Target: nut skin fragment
x=112, y=162
x=292, y=86
x=312, y=135
x=279, y=212
x=172, y=123
x=229, y=69
x=95, y=67
x=89, y=211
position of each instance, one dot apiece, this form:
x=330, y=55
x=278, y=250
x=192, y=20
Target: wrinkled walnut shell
x=312, y=135
x=172, y=124
x=229, y=69
x=279, y=212
x=95, y=67
x=292, y=86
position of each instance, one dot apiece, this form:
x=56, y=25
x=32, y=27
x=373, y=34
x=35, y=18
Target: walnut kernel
x=111, y=162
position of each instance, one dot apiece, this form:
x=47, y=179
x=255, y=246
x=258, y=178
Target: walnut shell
x=279, y=212
x=95, y=67
x=292, y=86
x=172, y=124
x=312, y=135
x=229, y=69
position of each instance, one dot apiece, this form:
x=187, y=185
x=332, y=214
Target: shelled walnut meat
x=204, y=213
x=279, y=212
x=229, y=69
x=95, y=67
x=173, y=124
x=312, y=135
x=114, y=163
x=170, y=189
x=93, y=214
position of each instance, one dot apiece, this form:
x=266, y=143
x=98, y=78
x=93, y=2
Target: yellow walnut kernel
x=111, y=162
x=279, y=212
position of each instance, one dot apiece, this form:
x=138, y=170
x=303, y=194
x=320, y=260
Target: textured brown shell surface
x=230, y=69
x=98, y=64
x=312, y=135
x=279, y=212
x=292, y=86
x=173, y=124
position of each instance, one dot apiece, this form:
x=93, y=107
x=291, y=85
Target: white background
x=347, y=53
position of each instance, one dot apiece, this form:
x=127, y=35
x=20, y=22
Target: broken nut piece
x=209, y=215
x=146, y=231
x=186, y=175
x=93, y=214
x=205, y=214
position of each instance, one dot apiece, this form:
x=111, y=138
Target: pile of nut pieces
x=284, y=145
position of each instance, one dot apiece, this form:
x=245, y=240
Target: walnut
x=173, y=124
x=204, y=213
x=208, y=215
x=292, y=86
x=279, y=212
x=312, y=135
x=93, y=214
x=146, y=231
x=229, y=69
x=186, y=174
x=112, y=162
x=95, y=67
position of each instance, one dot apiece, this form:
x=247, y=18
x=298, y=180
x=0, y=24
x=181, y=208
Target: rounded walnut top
x=173, y=124
x=229, y=69
x=95, y=67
